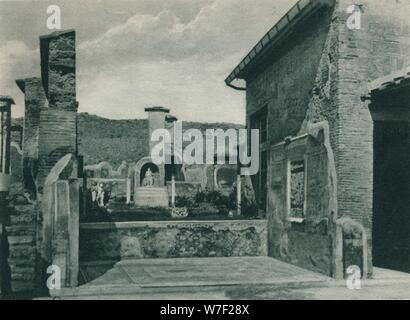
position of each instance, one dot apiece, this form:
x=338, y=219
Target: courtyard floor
x=225, y=278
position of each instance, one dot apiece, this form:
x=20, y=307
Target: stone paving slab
x=227, y=278
x=202, y=272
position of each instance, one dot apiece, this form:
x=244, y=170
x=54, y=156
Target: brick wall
x=57, y=131
x=381, y=46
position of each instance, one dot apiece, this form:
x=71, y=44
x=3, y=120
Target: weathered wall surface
x=380, y=47
x=338, y=64
x=286, y=85
x=57, y=138
x=50, y=130
x=138, y=240
x=34, y=99
x=22, y=240
x=58, y=121
x=306, y=242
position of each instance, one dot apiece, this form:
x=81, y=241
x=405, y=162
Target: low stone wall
x=117, y=187
x=184, y=189
x=139, y=240
x=22, y=241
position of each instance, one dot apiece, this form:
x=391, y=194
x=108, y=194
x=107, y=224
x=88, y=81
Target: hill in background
x=102, y=139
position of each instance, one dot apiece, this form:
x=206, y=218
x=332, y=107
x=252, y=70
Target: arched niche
x=142, y=167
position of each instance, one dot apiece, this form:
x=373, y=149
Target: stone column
x=35, y=100
x=156, y=120
x=5, y=127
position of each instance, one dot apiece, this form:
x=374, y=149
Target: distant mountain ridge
x=102, y=139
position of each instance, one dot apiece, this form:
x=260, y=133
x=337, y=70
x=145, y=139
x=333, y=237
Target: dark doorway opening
x=391, y=213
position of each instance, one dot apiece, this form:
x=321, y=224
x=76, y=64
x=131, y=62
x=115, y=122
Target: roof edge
x=293, y=17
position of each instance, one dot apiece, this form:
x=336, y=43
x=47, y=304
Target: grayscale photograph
x=205, y=150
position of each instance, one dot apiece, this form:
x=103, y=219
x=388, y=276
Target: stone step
x=152, y=191
x=151, y=188
x=151, y=197
x=162, y=192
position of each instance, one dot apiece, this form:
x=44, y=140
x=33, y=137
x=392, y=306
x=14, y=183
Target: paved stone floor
x=226, y=278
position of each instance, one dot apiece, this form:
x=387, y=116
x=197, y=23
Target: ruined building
x=49, y=154
x=333, y=173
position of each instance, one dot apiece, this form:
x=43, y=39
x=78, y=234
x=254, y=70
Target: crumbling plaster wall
x=286, y=87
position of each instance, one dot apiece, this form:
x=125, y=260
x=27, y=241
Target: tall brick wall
x=57, y=133
x=381, y=46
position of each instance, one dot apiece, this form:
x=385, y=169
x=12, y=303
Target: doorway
x=391, y=213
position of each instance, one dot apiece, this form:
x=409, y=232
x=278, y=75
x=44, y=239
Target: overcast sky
x=134, y=54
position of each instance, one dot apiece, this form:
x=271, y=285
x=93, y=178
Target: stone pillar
x=239, y=195
x=128, y=186
x=35, y=100
x=173, y=193
x=66, y=231
x=58, y=121
x=156, y=120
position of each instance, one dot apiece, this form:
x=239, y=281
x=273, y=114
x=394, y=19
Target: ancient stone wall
x=286, y=86
x=302, y=240
x=50, y=132
x=138, y=240
x=58, y=122
x=22, y=241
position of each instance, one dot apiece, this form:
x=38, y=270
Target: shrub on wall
x=217, y=203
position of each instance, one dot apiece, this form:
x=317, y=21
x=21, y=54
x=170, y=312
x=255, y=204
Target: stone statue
x=100, y=195
x=149, y=178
